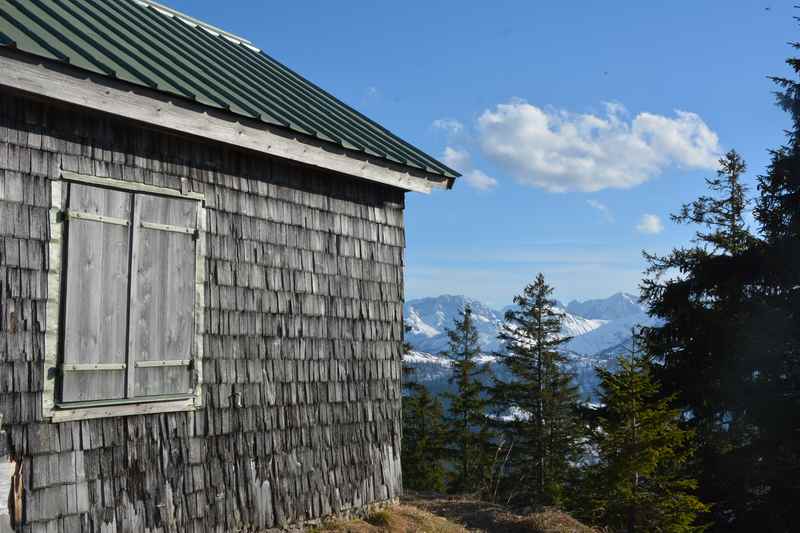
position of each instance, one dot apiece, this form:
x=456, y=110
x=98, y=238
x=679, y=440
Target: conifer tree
x=723, y=212
x=424, y=439
x=775, y=400
x=538, y=402
x=700, y=344
x=639, y=483
x=424, y=434
x=467, y=422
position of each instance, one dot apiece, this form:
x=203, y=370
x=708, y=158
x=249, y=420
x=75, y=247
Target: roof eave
x=59, y=81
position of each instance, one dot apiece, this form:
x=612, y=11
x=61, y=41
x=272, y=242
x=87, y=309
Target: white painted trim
x=67, y=84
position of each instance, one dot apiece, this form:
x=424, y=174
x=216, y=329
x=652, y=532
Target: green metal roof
x=147, y=44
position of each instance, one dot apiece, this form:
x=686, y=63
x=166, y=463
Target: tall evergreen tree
x=468, y=425
x=775, y=400
x=424, y=435
x=538, y=400
x=424, y=440
x=639, y=483
x=723, y=212
x=702, y=295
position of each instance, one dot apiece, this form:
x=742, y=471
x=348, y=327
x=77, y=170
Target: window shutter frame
x=52, y=408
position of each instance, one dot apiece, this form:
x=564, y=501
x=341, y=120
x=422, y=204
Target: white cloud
x=456, y=158
x=602, y=209
x=686, y=139
x=460, y=160
x=561, y=151
x=451, y=126
x=650, y=224
x=478, y=179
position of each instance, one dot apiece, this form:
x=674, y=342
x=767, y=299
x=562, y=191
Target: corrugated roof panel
x=106, y=49
x=144, y=43
x=111, y=41
x=154, y=45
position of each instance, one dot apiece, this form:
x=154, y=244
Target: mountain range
x=599, y=331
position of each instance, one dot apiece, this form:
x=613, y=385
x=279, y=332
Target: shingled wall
x=302, y=349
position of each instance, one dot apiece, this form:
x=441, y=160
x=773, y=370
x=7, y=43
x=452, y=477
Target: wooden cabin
x=201, y=278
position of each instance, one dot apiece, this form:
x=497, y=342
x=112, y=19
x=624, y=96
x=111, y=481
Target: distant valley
x=600, y=330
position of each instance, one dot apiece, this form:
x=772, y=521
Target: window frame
x=54, y=326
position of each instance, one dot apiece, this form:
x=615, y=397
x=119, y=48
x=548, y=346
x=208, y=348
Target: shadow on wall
x=6, y=471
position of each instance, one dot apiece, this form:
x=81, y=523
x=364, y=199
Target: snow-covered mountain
x=598, y=329
x=429, y=317
x=617, y=306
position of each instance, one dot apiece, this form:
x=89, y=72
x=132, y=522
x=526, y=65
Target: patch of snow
x=484, y=359
x=573, y=326
x=418, y=326
x=426, y=359
x=515, y=413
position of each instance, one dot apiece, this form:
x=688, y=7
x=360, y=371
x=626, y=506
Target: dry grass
x=547, y=521
x=480, y=516
x=455, y=515
x=397, y=519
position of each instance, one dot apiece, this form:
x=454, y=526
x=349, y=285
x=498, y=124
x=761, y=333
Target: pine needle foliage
x=424, y=434
x=775, y=403
x=538, y=402
x=639, y=483
x=703, y=296
x=424, y=438
x=468, y=429
x=723, y=211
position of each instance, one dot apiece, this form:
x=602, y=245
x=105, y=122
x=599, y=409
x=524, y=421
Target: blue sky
x=580, y=125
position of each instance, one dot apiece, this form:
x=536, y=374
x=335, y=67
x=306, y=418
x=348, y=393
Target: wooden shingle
x=301, y=345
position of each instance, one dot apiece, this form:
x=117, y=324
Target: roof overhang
x=49, y=79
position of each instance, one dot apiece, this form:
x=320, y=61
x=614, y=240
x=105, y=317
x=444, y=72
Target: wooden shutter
x=162, y=296
x=94, y=363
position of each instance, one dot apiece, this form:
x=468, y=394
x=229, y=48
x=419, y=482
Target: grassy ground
x=455, y=515
x=428, y=514
x=396, y=519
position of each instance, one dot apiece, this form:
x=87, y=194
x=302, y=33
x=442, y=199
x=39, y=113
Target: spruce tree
x=538, y=401
x=775, y=400
x=723, y=212
x=639, y=483
x=702, y=296
x=424, y=438
x=467, y=422
x=731, y=346
x=424, y=434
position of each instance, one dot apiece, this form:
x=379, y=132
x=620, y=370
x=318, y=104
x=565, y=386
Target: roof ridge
x=196, y=22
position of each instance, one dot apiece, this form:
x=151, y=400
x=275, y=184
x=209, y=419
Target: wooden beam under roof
x=41, y=77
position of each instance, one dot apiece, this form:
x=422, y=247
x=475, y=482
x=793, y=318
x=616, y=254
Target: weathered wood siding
x=301, y=363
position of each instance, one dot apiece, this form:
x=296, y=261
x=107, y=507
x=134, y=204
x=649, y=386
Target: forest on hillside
x=696, y=428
